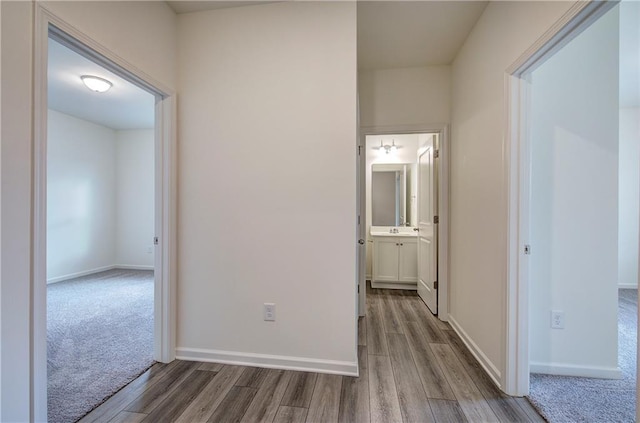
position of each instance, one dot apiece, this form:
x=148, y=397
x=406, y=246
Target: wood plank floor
x=413, y=368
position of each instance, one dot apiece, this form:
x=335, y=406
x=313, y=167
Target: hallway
x=413, y=368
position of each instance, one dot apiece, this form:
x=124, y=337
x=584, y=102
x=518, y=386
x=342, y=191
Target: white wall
x=143, y=33
x=478, y=188
x=81, y=196
x=267, y=184
x=135, y=198
x=100, y=199
x=629, y=190
x=405, y=96
x=574, y=205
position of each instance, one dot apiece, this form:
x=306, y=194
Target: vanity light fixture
x=386, y=148
x=95, y=83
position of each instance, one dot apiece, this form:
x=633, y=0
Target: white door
x=427, y=235
x=360, y=200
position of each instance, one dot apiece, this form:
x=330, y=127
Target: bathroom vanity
x=395, y=258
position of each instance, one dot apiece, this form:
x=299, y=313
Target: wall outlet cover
x=269, y=312
x=557, y=319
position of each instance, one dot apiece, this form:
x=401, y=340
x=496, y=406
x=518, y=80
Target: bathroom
x=400, y=224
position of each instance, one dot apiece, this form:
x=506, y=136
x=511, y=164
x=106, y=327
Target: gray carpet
x=572, y=399
x=99, y=338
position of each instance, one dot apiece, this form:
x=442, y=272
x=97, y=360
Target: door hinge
x=358, y=219
x=435, y=284
x=155, y=240
x=358, y=288
x=436, y=154
x=359, y=150
x=527, y=249
x=436, y=219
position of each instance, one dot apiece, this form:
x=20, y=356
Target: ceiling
x=124, y=106
x=398, y=34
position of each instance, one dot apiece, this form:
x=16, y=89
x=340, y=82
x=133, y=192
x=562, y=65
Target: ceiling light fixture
x=386, y=148
x=97, y=84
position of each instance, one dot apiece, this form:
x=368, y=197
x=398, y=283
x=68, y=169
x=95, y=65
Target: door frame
x=443, y=204
x=46, y=23
x=518, y=176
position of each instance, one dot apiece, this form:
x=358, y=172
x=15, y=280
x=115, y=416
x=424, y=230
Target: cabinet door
x=385, y=260
x=408, y=269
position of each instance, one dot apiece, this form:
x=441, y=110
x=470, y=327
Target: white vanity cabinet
x=395, y=262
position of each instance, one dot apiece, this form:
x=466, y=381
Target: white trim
x=443, y=198
x=79, y=274
x=516, y=366
x=346, y=368
x=627, y=286
x=361, y=220
x=165, y=132
x=517, y=168
x=1, y=231
x=166, y=254
x=132, y=267
x=443, y=225
x=475, y=350
x=98, y=270
x=394, y=285
x=38, y=385
x=578, y=18
x=563, y=369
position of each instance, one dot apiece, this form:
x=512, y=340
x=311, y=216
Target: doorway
x=568, y=136
x=162, y=167
x=574, y=231
x=100, y=231
x=404, y=239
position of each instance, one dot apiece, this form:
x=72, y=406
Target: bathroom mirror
x=392, y=194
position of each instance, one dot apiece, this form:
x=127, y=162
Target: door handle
x=361, y=241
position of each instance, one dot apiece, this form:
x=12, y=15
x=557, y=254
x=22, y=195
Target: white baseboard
x=79, y=274
x=132, y=267
x=627, y=286
x=394, y=285
x=563, y=369
x=345, y=368
x=97, y=270
x=486, y=364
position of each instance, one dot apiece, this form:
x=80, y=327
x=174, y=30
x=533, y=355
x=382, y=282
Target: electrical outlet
x=269, y=312
x=557, y=319
x=149, y=250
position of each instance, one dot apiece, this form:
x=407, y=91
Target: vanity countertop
x=403, y=232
